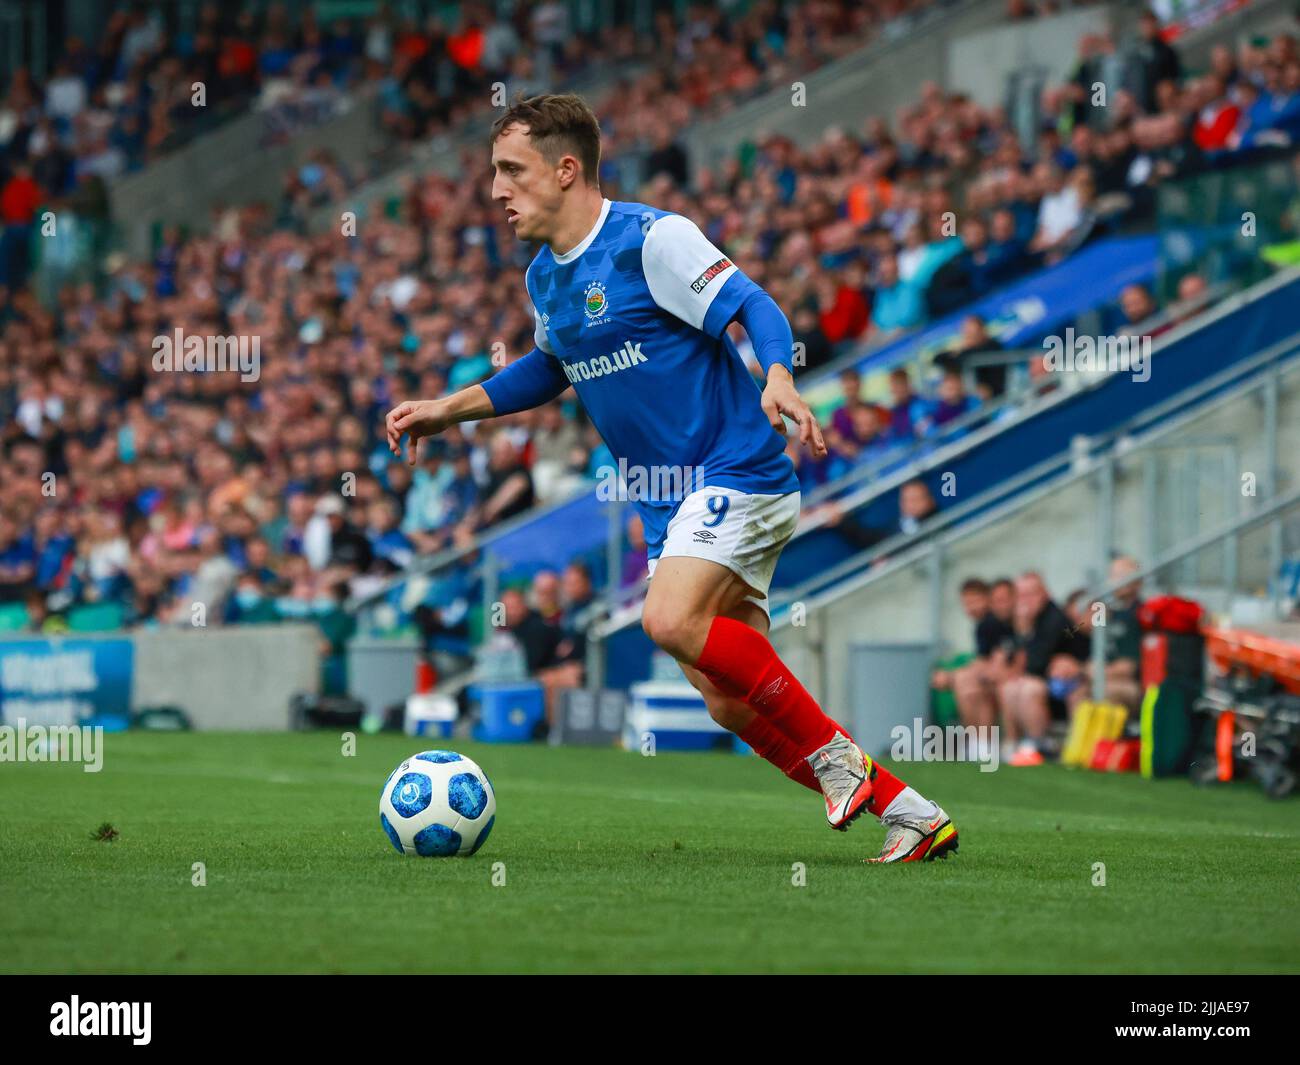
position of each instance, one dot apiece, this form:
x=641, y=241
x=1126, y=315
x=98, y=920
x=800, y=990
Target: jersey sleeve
x=528, y=382
x=687, y=274
x=539, y=334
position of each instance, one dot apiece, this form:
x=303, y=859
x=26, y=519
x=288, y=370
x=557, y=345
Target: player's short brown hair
x=558, y=124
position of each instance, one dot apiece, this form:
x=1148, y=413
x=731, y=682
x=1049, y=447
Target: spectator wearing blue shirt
x=896, y=306
x=17, y=561
x=907, y=410
x=55, y=550
x=1008, y=255
x=391, y=548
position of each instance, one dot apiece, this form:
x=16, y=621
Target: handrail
x=1027, y=499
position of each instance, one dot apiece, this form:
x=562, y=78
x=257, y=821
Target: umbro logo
x=703, y=536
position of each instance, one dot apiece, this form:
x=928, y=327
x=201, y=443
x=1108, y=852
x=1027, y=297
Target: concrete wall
x=980, y=62
x=228, y=678
x=232, y=165
x=223, y=678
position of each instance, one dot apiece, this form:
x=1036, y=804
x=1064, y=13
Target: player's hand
x=416, y=419
x=781, y=397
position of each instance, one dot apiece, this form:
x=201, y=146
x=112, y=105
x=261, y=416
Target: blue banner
x=66, y=681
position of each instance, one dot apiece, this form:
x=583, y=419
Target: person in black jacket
x=1043, y=632
x=1156, y=60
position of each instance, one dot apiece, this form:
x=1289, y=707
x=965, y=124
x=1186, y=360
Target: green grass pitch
x=618, y=863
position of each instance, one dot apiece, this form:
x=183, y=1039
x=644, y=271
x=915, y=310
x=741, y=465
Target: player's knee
x=670, y=629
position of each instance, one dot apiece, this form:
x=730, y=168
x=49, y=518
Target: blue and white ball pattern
x=437, y=804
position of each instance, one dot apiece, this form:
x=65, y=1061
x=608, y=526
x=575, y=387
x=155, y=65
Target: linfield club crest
x=595, y=303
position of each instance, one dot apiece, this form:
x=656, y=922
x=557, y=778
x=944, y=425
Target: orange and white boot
x=845, y=775
x=918, y=839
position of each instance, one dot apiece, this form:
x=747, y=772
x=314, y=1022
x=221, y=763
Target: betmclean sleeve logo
x=698, y=285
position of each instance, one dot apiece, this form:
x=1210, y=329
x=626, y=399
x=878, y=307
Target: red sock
x=884, y=788
x=740, y=661
x=770, y=744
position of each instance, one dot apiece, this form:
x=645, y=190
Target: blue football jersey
x=636, y=315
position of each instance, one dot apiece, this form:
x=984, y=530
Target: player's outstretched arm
x=418, y=418
x=527, y=382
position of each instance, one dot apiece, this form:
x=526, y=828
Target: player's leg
x=686, y=613
x=702, y=579
x=736, y=716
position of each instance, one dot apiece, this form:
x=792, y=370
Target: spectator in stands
x=545, y=595
x=667, y=156
x=897, y=306
x=347, y=550
x=578, y=598
x=1062, y=213
x=973, y=341
x=17, y=561
x=20, y=197
x=509, y=488
x=841, y=435
x=535, y=638
x=975, y=685
x=390, y=548
x=1122, y=635
x=1157, y=60
x=635, y=555
x=558, y=454
x=844, y=308
x=1008, y=256
x=1137, y=308
x=907, y=410
x=915, y=506
x=810, y=340
x=952, y=403
x=1193, y=297
x=1043, y=634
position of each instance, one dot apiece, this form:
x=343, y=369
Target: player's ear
x=569, y=170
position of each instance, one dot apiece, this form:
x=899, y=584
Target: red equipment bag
x=1169, y=613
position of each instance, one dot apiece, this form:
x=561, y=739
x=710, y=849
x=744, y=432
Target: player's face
x=525, y=184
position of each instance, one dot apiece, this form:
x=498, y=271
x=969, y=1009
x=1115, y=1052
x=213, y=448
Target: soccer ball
x=437, y=804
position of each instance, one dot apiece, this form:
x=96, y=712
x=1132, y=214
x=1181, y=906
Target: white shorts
x=743, y=532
